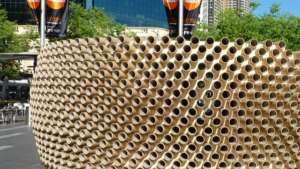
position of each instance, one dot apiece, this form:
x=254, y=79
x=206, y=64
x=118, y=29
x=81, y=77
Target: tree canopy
x=10, y=42
x=90, y=22
x=274, y=26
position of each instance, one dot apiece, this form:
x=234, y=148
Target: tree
x=10, y=69
x=254, y=5
x=90, y=23
x=271, y=26
x=9, y=42
x=7, y=30
x=275, y=9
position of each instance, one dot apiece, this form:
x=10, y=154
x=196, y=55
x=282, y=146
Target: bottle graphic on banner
x=191, y=14
x=56, y=17
x=35, y=6
x=171, y=7
x=190, y=17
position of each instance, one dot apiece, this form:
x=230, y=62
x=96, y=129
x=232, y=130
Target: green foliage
x=273, y=26
x=10, y=42
x=90, y=23
x=10, y=69
x=275, y=9
x=254, y=5
x=7, y=30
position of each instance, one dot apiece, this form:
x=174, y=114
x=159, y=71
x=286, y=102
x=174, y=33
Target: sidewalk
x=17, y=148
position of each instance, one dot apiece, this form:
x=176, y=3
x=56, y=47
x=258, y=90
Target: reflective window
x=17, y=10
x=135, y=12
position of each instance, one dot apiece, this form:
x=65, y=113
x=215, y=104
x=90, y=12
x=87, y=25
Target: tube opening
x=209, y=75
x=268, y=43
x=253, y=42
x=208, y=130
x=192, y=112
x=187, y=49
x=163, y=57
x=184, y=121
x=170, y=66
x=201, y=66
x=240, y=41
x=217, y=85
x=240, y=59
x=209, y=57
x=172, y=48
x=208, y=112
x=176, y=93
x=225, y=41
x=199, y=140
x=157, y=48
x=186, y=66
x=218, y=49
x=200, y=121
x=247, y=51
x=180, y=39
x=226, y=94
x=165, y=39
x=179, y=57
x=192, y=130
x=217, y=67
x=232, y=50
x=225, y=76
x=225, y=58
x=137, y=39
x=210, y=41
x=222, y=164
x=200, y=84
x=193, y=75
x=162, y=74
x=202, y=49
x=262, y=51
x=178, y=75
x=195, y=40
x=192, y=93
x=217, y=103
x=143, y=48
x=216, y=139
x=151, y=39
x=185, y=84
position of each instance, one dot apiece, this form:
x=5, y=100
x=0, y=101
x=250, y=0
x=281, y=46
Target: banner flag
x=56, y=17
x=172, y=11
x=190, y=17
x=35, y=6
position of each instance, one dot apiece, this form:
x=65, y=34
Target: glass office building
x=134, y=12
x=17, y=10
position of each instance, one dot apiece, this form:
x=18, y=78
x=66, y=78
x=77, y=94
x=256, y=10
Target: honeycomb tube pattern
x=110, y=103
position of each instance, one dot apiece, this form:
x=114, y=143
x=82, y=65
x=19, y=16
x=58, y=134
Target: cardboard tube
x=179, y=42
x=165, y=41
x=209, y=42
x=194, y=42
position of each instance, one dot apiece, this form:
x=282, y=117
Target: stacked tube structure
x=110, y=103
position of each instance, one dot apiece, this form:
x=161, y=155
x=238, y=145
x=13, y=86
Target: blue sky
x=287, y=6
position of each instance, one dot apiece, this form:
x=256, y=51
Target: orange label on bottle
x=33, y=4
x=171, y=4
x=56, y=4
x=192, y=4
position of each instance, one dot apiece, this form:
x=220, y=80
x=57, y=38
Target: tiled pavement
x=17, y=148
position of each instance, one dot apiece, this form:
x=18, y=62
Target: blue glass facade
x=17, y=10
x=135, y=12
